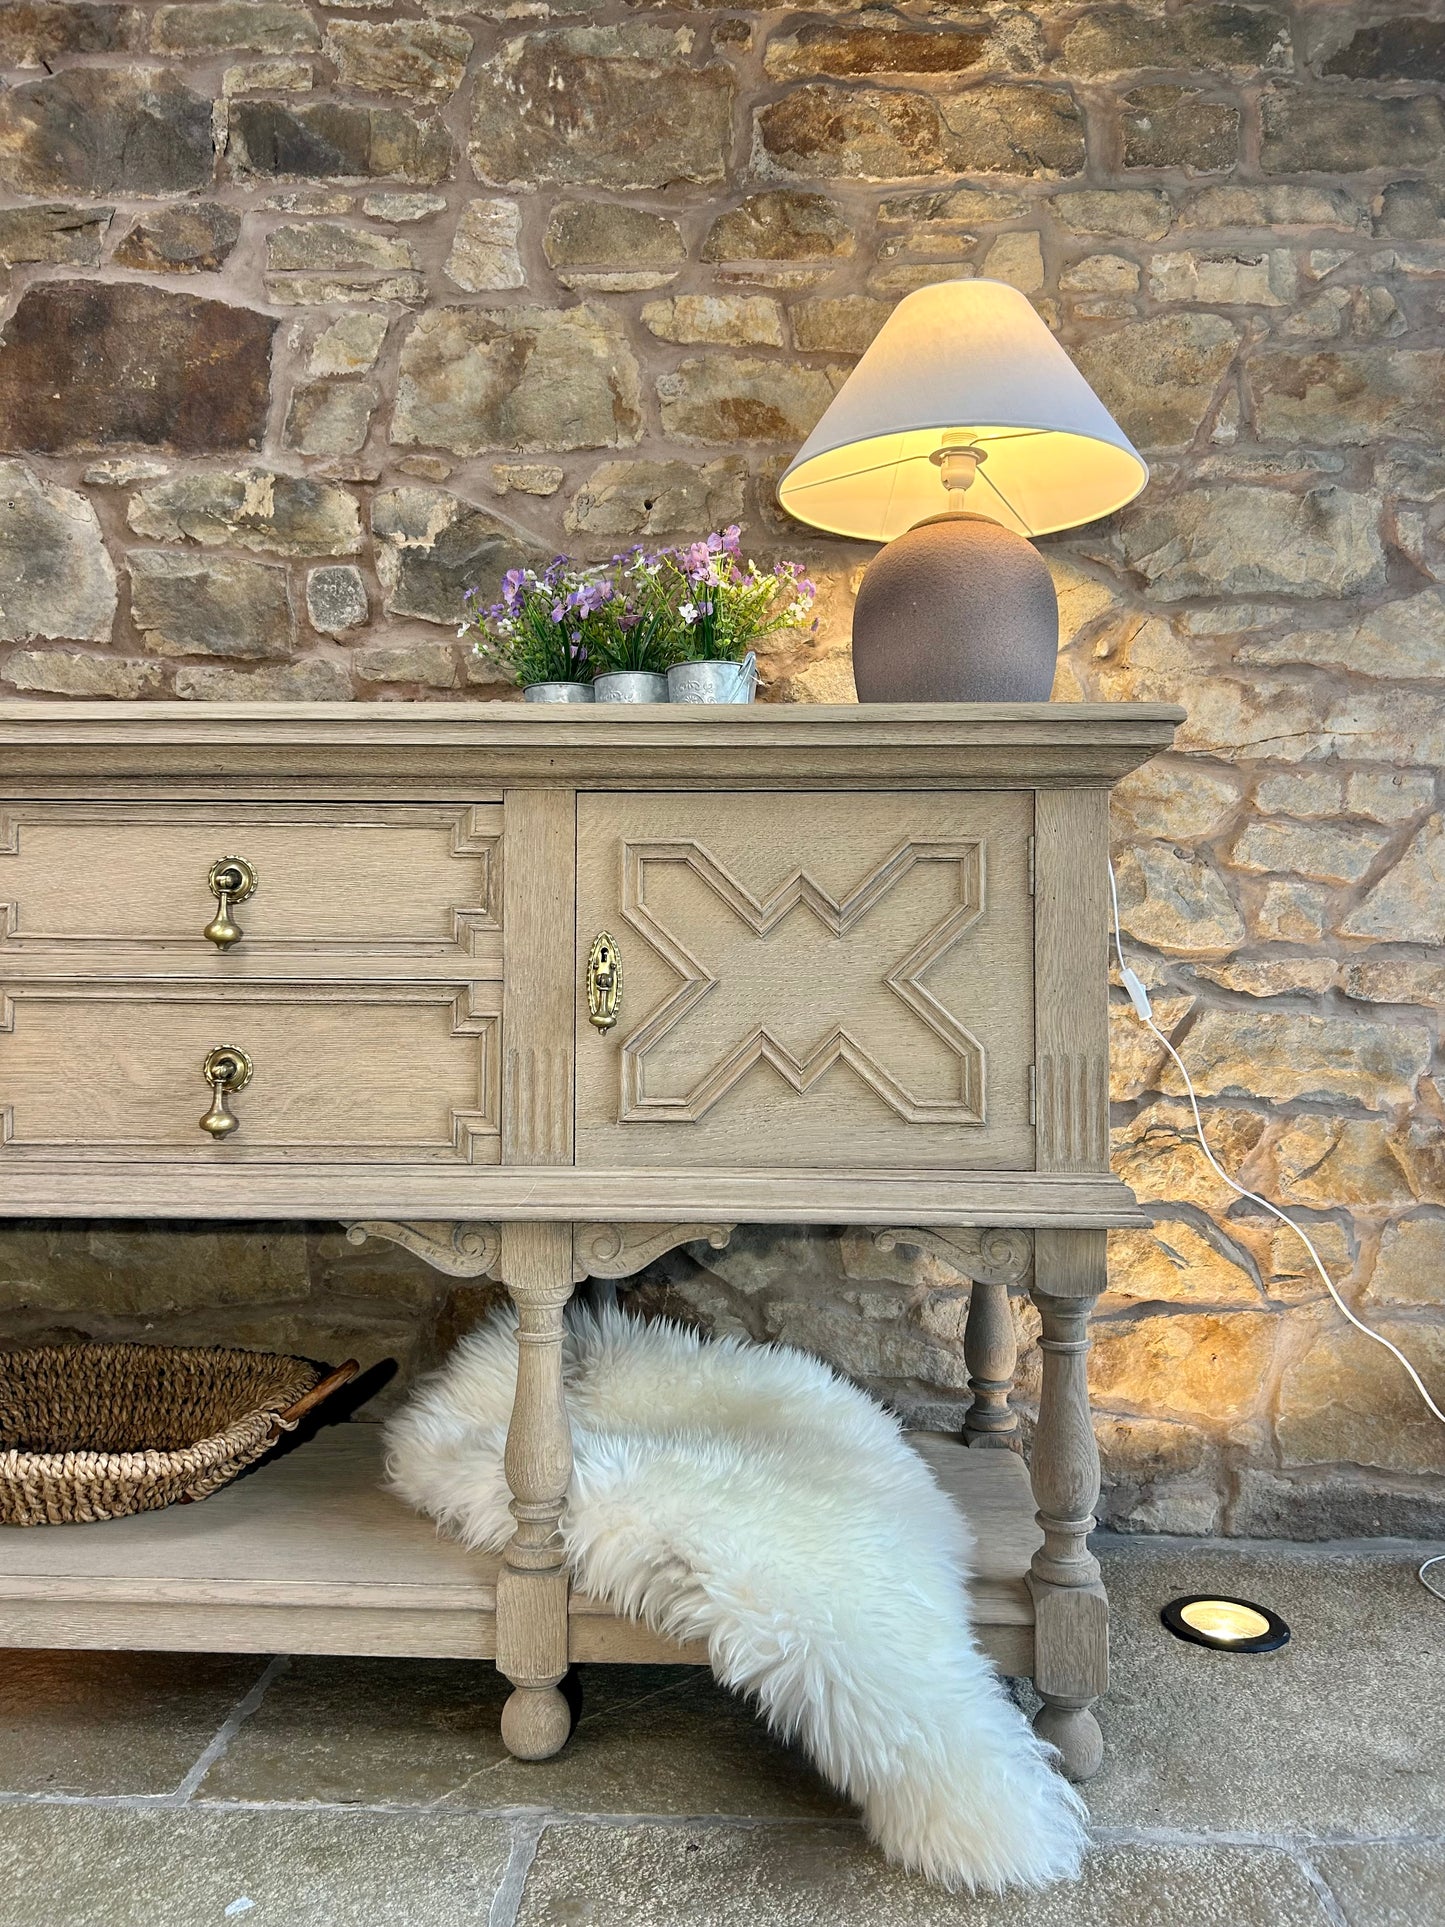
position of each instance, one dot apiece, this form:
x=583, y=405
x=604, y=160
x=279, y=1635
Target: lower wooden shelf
x=310, y=1555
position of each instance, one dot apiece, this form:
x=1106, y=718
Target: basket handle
x=288, y=1420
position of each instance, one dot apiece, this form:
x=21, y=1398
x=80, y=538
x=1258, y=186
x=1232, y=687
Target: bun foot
x=536, y=1722
x=1075, y=1732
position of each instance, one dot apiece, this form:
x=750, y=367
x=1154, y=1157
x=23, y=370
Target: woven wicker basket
x=93, y=1432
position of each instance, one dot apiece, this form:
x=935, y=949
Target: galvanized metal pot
x=558, y=692
x=713, y=682
x=631, y=686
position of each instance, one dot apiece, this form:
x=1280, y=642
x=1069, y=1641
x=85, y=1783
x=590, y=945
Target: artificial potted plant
x=639, y=642
x=543, y=632
x=721, y=607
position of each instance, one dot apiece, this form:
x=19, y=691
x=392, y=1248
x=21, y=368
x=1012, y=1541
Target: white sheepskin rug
x=748, y=1497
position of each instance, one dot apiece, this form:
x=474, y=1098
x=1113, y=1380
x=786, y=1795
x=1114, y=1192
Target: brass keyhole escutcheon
x=227, y=1069
x=232, y=879
x=604, y=982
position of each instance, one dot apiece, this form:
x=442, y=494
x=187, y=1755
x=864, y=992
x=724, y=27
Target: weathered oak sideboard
x=541, y=993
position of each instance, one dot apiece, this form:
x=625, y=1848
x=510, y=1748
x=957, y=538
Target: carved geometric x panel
x=835, y=1041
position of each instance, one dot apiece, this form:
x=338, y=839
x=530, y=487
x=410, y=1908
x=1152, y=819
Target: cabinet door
x=809, y=980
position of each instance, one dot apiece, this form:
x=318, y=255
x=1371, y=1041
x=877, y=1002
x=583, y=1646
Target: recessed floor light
x=1226, y=1625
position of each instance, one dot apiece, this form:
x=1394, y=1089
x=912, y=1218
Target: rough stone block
x=422, y=58
x=431, y=548
x=316, y=680
x=86, y=364
x=234, y=26
x=250, y=508
x=484, y=252
x=1281, y=204
x=1341, y=396
x=1407, y=905
x=1100, y=274
x=1178, y=1263
x=619, y=106
x=1159, y=1156
x=35, y=33
x=738, y=398
x=1179, y=127
x=1330, y=853
x=1130, y=213
x=1253, y=541
x=345, y=284
x=1327, y=1162
x=106, y=130
x=1337, y=1408
x=644, y=248
x=520, y=378
x=532, y=478
x=56, y=579
x=192, y=605
x=189, y=238
x=1279, y=1055
x=956, y=207
x=1205, y=38
x=73, y=672
x=1207, y=1366
x=333, y=244
x=1159, y=378
x=335, y=141
x=888, y=47
x=403, y=207
x=1171, y=899
x=60, y=236
x=827, y=131
x=349, y=345
x=1018, y=259
x=780, y=225
x=1319, y=131
x=331, y=416
x=1404, y=47
x=658, y=499
x=838, y=324
x=282, y=76
x=433, y=665
x=336, y=599
x=744, y=320
x=1410, y=1268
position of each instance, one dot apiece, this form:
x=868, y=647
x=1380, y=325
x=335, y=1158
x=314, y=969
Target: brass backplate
x=604, y=982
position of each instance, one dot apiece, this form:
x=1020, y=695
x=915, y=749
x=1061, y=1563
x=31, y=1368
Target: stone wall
x=317, y=314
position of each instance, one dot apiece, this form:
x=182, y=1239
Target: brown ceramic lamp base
x=956, y=610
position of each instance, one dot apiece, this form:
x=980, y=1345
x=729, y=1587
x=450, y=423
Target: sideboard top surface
x=612, y=746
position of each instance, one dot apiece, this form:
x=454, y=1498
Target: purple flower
x=513, y=583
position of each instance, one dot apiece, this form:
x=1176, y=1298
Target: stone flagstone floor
x=1303, y=1789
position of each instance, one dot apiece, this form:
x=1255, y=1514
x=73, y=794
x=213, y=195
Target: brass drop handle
x=231, y=880
x=604, y=982
x=227, y=1069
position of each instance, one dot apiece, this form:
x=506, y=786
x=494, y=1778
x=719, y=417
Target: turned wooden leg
x=1071, y=1613
x=532, y=1585
x=990, y=1351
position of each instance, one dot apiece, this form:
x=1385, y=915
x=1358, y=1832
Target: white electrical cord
x=1144, y=1011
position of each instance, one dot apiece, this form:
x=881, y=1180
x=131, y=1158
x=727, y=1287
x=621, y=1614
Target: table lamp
x=963, y=397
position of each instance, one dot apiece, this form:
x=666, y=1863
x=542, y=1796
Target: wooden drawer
x=122, y=887
x=111, y=1071
x=810, y=979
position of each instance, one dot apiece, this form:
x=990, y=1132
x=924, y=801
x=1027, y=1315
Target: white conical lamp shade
x=968, y=356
